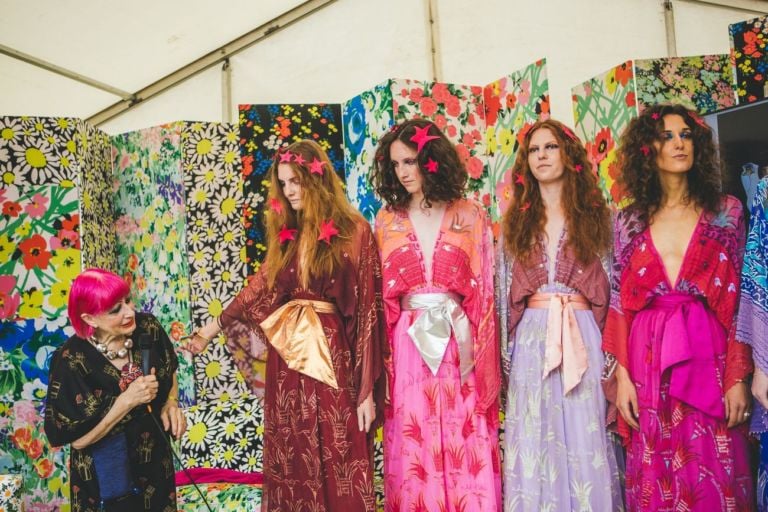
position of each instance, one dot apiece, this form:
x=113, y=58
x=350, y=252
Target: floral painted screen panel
x=602, y=109
x=94, y=152
x=264, y=129
x=703, y=83
x=512, y=104
x=213, y=187
x=367, y=117
x=39, y=151
x=150, y=233
x=749, y=49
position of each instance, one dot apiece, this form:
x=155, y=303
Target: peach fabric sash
x=564, y=345
x=442, y=316
x=295, y=330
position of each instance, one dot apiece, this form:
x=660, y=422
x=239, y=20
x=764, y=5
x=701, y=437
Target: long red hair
x=587, y=217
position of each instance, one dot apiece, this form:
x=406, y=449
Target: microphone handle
x=145, y=361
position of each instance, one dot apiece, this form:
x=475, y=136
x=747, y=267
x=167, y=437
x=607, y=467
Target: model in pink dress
x=681, y=373
x=440, y=431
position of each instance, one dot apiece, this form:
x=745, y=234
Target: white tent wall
x=350, y=45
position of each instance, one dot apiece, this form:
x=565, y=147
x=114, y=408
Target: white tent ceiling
x=329, y=55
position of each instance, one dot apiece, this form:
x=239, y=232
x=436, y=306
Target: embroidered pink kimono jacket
x=440, y=431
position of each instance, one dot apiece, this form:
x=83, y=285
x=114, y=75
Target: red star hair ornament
x=578, y=168
x=655, y=116
x=275, y=205
x=645, y=149
x=285, y=156
x=422, y=136
x=520, y=179
x=316, y=166
x=526, y=206
x=431, y=166
x=286, y=234
x=327, y=231
x=569, y=133
x=298, y=159
x=698, y=120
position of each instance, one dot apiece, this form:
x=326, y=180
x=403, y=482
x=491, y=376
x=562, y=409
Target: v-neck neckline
x=427, y=270
x=673, y=286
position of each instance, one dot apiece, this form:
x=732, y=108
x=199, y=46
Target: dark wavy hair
x=637, y=161
x=587, y=217
x=447, y=184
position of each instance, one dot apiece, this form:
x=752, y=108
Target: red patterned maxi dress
x=441, y=448
x=677, y=342
x=315, y=457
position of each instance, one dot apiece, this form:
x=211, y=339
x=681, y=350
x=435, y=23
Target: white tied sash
x=432, y=330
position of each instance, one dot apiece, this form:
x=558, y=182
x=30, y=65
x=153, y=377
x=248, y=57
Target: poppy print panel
x=749, y=40
x=367, y=118
x=512, y=104
x=40, y=251
x=26, y=452
x=602, y=108
x=264, y=129
x=702, y=83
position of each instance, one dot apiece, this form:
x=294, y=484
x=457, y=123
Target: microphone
x=144, y=344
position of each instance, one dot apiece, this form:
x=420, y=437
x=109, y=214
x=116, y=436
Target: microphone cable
x=178, y=459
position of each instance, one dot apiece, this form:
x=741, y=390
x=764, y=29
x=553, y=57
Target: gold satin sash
x=564, y=344
x=295, y=330
x=431, y=331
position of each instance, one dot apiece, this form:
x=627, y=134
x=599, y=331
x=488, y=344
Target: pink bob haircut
x=93, y=292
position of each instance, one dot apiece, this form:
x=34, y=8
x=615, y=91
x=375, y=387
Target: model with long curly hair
x=554, y=296
x=680, y=373
x=316, y=299
x=440, y=430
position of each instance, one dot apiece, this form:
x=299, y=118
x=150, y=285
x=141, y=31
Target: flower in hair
x=327, y=231
x=286, y=234
x=316, y=166
x=645, y=149
x=431, y=166
x=421, y=137
x=275, y=205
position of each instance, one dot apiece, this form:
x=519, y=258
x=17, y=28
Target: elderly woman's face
x=119, y=320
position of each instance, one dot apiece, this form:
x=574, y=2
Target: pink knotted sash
x=689, y=343
x=564, y=344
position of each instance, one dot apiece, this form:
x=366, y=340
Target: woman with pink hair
x=101, y=403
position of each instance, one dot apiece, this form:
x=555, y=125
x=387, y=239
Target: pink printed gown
x=440, y=436
x=677, y=342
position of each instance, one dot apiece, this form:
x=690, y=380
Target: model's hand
x=366, y=412
x=760, y=387
x=737, y=404
x=626, y=397
x=173, y=418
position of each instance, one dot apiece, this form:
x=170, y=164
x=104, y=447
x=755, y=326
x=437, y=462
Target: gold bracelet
x=196, y=332
x=174, y=398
